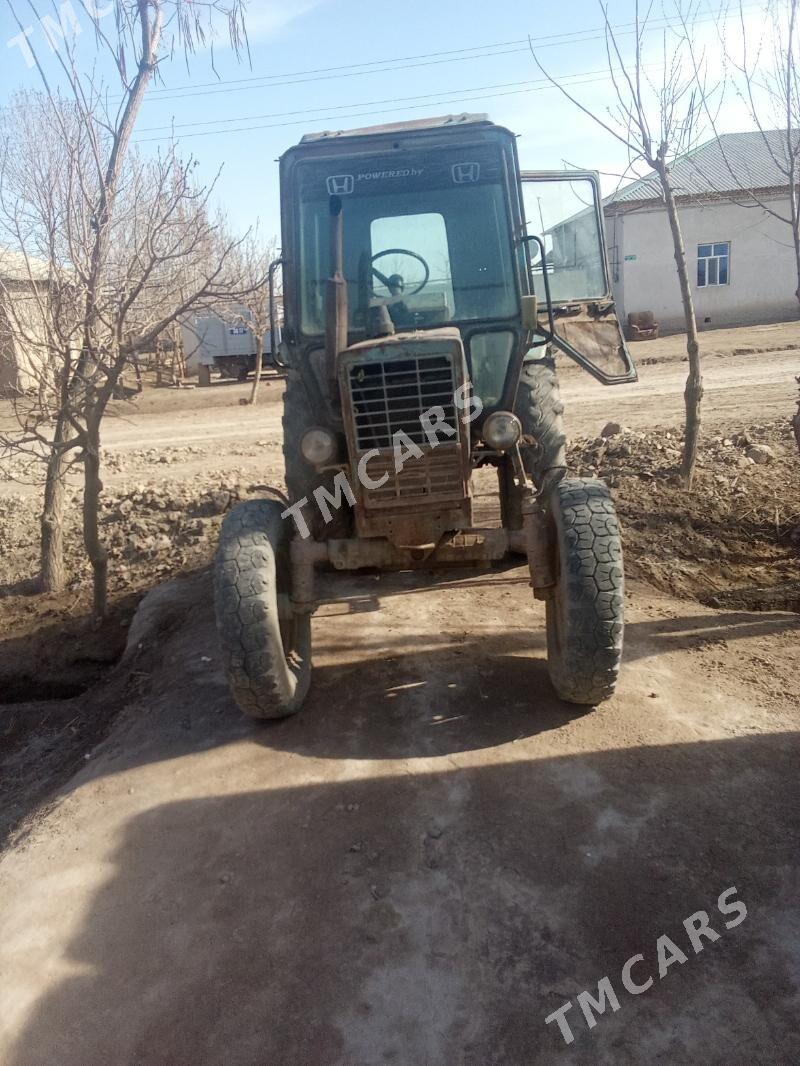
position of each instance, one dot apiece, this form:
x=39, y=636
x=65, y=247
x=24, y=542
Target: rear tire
x=266, y=649
x=585, y=614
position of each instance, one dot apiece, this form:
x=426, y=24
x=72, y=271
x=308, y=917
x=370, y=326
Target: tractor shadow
x=379, y=692
x=391, y=680
x=382, y=690
x=428, y=917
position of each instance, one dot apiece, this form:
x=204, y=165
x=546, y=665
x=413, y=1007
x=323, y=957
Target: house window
x=712, y=264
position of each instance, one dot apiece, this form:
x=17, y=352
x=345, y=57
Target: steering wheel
x=400, y=251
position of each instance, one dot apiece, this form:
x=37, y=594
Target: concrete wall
x=762, y=272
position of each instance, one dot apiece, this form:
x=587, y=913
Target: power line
x=351, y=70
x=328, y=70
x=265, y=83
x=368, y=114
x=371, y=103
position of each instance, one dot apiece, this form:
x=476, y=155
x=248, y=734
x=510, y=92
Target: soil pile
x=733, y=539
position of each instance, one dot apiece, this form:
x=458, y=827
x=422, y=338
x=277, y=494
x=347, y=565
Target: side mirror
x=530, y=308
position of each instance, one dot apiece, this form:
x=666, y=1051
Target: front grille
x=436, y=474
x=390, y=396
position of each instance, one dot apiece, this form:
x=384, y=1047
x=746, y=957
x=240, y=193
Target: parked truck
x=227, y=345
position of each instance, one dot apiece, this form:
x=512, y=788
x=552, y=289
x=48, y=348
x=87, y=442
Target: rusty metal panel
x=386, y=385
x=596, y=339
x=439, y=473
x=415, y=526
x=469, y=546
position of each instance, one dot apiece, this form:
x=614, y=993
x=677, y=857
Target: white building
x=741, y=259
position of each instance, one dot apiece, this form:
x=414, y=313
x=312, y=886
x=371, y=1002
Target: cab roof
x=440, y=122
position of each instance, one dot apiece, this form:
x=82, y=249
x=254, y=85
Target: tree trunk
x=259, y=339
x=92, y=489
x=693, y=393
x=177, y=338
x=53, y=574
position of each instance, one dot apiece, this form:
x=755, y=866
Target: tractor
x=428, y=284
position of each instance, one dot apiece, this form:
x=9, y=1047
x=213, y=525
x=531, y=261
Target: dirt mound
x=152, y=527
x=51, y=656
x=734, y=539
x=53, y=718
x=152, y=530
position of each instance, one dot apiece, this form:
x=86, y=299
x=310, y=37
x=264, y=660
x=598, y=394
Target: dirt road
x=739, y=388
x=754, y=387
x=434, y=856
x=210, y=431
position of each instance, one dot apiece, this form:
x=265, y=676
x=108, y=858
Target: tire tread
x=592, y=584
x=253, y=543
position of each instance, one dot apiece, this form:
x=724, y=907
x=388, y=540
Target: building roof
x=14, y=266
x=735, y=161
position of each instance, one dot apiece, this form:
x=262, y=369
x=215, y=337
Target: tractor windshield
x=428, y=236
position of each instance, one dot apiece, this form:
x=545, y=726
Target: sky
x=338, y=64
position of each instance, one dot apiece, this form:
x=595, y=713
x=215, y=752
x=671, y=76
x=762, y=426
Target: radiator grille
x=390, y=396
x=437, y=474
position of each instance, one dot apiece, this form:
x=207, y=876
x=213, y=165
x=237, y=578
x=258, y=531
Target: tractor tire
x=585, y=613
x=543, y=447
x=301, y=477
x=266, y=649
x=540, y=410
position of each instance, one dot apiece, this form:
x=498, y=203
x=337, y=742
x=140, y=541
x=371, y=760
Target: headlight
x=318, y=446
x=502, y=430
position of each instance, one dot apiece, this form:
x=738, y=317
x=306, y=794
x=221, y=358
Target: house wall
x=22, y=336
x=762, y=272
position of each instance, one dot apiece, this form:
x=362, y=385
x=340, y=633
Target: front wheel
x=585, y=613
x=539, y=408
x=266, y=647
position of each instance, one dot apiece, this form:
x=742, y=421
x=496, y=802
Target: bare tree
x=253, y=310
x=166, y=256
x=39, y=191
x=102, y=206
x=657, y=120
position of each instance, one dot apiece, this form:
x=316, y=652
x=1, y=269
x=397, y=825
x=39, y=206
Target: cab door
x=566, y=251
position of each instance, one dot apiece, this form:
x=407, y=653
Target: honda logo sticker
x=464, y=172
x=340, y=184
